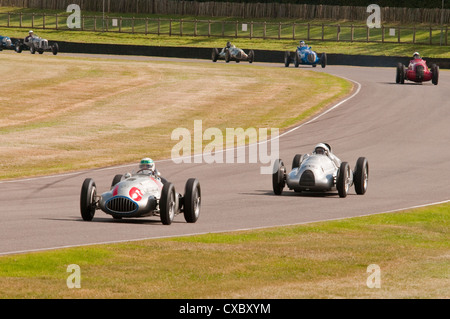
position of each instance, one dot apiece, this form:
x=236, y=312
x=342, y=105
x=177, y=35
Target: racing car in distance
x=321, y=171
x=141, y=195
x=304, y=55
x=231, y=53
x=36, y=44
x=6, y=43
x=417, y=71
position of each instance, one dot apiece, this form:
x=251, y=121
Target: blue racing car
x=304, y=55
x=6, y=43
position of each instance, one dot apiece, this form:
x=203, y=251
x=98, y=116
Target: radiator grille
x=307, y=178
x=121, y=205
x=419, y=72
x=311, y=57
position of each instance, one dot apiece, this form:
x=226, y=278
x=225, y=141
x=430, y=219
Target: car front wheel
x=167, y=204
x=343, y=180
x=87, y=199
x=278, y=177
x=192, y=200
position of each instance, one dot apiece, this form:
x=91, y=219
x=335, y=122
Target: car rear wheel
x=343, y=179
x=434, y=74
x=251, y=56
x=287, y=58
x=278, y=177
x=323, y=60
x=298, y=158
x=116, y=180
x=18, y=47
x=55, y=48
x=214, y=55
x=399, y=74
x=227, y=56
x=87, y=199
x=296, y=59
x=192, y=200
x=167, y=204
x=402, y=80
x=361, y=176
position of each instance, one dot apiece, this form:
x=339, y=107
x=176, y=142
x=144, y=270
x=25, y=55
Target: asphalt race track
x=403, y=130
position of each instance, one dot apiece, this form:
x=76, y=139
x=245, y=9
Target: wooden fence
x=242, y=10
x=232, y=29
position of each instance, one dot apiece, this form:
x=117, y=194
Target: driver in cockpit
x=324, y=149
x=30, y=36
x=147, y=166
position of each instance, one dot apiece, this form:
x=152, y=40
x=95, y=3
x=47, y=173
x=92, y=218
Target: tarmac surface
x=403, y=131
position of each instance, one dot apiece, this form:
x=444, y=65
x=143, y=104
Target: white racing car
x=231, y=53
x=36, y=44
x=141, y=194
x=321, y=171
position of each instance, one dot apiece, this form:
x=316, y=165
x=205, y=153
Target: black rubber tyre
x=227, y=56
x=167, y=204
x=298, y=158
x=342, y=184
x=87, y=199
x=192, y=200
x=402, y=74
x=278, y=177
x=435, y=74
x=287, y=58
x=116, y=180
x=55, y=48
x=18, y=48
x=251, y=56
x=323, y=60
x=398, y=74
x=214, y=55
x=361, y=176
x=296, y=59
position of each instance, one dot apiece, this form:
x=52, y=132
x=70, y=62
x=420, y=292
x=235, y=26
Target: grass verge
x=317, y=260
x=64, y=114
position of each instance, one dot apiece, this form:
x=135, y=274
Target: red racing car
x=417, y=71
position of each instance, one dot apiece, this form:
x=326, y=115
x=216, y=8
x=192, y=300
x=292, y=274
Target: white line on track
x=216, y=232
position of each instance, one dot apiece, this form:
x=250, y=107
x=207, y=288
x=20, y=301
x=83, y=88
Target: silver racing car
x=321, y=171
x=140, y=195
x=36, y=44
x=232, y=53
